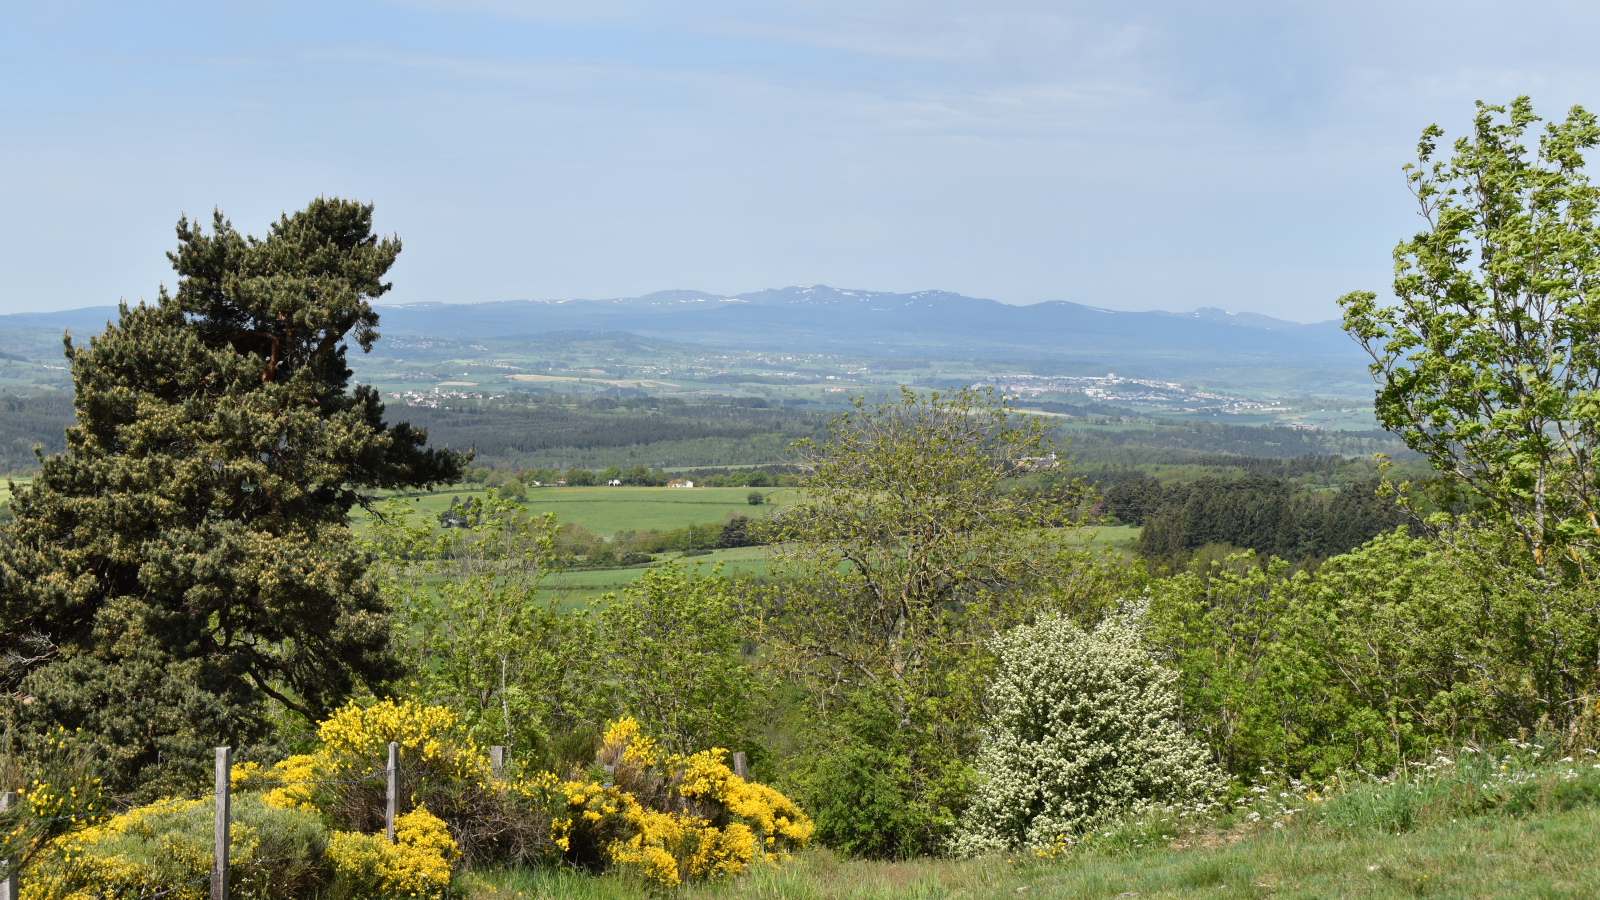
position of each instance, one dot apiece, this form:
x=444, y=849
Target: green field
x=5, y=494
x=608, y=510
x=579, y=588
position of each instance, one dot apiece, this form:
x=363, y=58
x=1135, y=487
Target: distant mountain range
x=926, y=323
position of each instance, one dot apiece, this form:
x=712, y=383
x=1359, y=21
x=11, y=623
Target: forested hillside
x=26, y=422
x=1271, y=516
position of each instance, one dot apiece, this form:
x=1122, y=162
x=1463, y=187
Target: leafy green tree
x=666, y=650
x=473, y=630
x=906, y=556
x=1378, y=657
x=642, y=477
x=1256, y=684
x=1448, y=642
x=736, y=532
x=1490, y=363
x=188, y=556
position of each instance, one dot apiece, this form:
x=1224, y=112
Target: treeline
x=778, y=475
x=1310, y=469
x=628, y=547
x=556, y=431
x=1268, y=515
x=27, y=422
x=1099, y=445
x=603, y=430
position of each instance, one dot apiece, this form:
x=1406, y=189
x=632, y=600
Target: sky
x=1137, y=155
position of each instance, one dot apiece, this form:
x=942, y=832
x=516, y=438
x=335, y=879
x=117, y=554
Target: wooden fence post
x=394, y=790
x=219, y=836
x=497, y=761
x=10, y=886
x=740, y=767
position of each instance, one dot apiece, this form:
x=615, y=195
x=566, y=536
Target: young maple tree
x=188, y=556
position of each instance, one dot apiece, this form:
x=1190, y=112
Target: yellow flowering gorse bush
x=774, y=817
x=290, y=783
x=165, y=848
x=417, y=864
x=698, y=821
x=672, y=819
x=358, y=737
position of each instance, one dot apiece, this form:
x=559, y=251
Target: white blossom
x=1085, y=725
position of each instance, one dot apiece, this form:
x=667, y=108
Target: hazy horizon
x=385, y=302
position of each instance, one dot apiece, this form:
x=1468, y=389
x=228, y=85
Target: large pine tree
x=189, y=556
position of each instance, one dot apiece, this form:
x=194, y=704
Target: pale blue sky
x=1131, y=155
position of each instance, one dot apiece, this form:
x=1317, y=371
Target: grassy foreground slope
x=1551, y=856
x=1503, y=821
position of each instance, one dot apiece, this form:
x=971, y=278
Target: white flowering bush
x=1085, y=725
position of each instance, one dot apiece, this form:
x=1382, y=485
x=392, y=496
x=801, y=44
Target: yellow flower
x=418, y=862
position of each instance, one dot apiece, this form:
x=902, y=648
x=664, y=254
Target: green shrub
x=1085, y=724
x=1380, y=655
x=867, y=810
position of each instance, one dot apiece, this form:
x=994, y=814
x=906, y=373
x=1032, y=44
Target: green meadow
x=577, y=588
x=608, y=510
x=581, y=587
x=605, y=511
x=1541, y=857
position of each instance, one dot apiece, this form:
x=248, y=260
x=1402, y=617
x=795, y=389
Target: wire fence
x=221, y=795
